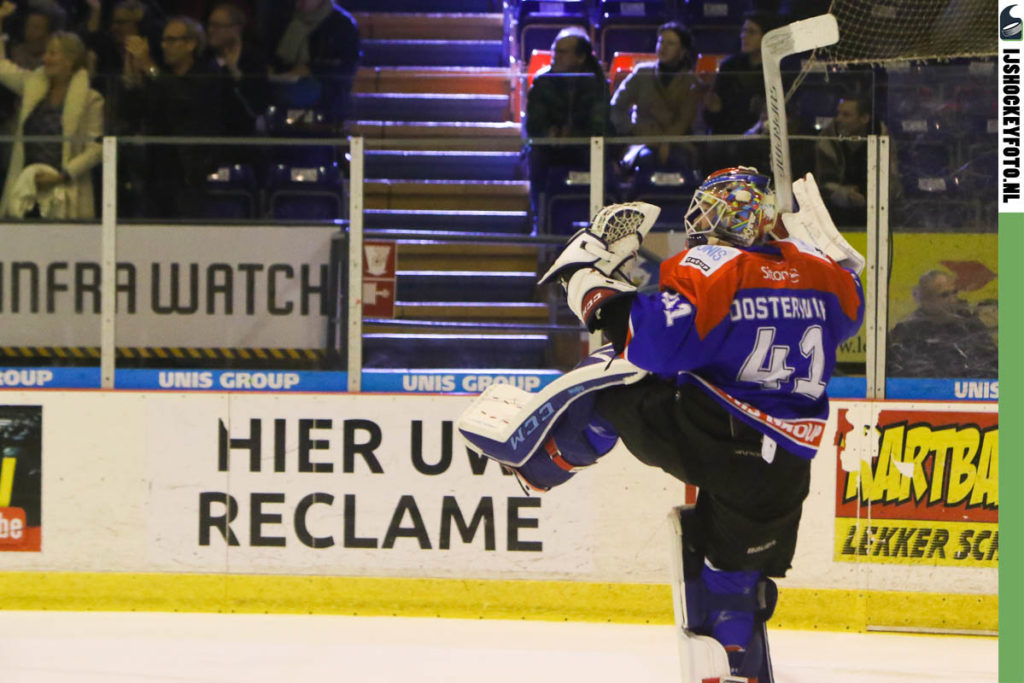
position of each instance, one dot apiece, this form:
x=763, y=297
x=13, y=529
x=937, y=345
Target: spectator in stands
x=841, y=166
x=243, y=62
x=943, y=337
x=185, y=97
x=53, y=179
x=568, y=99
x=41, y=20
x=316, y=57
x=734, y=98
x=126, y=18
x=660, y=98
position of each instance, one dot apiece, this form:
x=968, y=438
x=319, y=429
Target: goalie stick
x=800, y=36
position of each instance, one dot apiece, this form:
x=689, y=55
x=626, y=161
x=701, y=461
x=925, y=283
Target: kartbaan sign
x=927, y=493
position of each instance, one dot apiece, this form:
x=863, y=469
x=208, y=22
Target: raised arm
x=12, y=76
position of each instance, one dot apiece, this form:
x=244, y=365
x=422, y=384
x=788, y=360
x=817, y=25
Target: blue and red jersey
x=755, y=328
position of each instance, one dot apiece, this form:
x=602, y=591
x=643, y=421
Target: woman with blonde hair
x=56, y=100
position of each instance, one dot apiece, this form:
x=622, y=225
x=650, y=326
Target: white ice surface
x=102, y=647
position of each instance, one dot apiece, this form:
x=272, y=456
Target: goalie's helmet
x=735, y=204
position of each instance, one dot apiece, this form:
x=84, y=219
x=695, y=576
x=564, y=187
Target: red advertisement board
x=20, y=478
x=379, y=264
x=928, y=492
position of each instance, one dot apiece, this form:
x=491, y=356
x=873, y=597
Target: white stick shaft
x=800, y=36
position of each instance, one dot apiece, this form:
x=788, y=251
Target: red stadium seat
x=708, y=63
x=538, y=60
x=623, y=63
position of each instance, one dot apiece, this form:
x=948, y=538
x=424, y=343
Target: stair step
x=431, y=350
x=451, y=195
x=464, y=285
x=378, y=25
x=509, y=222
x=432, y=52
x=441, y=79
x=416, y=165
x=431, y=107
x=425, y=255
x=440, y=135
x=510, y=312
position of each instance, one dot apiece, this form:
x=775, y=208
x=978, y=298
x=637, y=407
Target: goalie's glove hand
x=583, y=250
x=588, y=290
x=612, y=238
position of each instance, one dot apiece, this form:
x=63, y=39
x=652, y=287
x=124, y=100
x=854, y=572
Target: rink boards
x=370, y=504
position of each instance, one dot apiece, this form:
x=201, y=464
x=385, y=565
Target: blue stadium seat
x=231, y=192
x=565, y=200
x=306, y=193
x=980, y=174
x=716, y=39
x=925, y=170
x=284, y=122
x=695, y=12
x=669, y=188
x=814, y=105
x=628, y=27
x=539, y=21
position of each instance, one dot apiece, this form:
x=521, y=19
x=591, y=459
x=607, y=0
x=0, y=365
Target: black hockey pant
x=749, y=509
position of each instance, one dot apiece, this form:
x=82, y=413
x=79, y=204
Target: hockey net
x=875, y=31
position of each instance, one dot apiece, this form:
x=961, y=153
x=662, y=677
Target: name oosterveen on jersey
x=774, y=306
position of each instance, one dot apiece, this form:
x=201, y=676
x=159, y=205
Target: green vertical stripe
x=1011, y=475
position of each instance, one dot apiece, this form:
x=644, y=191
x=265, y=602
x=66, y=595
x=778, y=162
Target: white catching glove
x=588, y=289
x=614, y=236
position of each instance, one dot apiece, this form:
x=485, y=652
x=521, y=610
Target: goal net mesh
x=875, y=31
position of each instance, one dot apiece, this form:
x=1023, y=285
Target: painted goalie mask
x=736, y=205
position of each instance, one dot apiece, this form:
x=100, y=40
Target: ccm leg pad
x=546, y=437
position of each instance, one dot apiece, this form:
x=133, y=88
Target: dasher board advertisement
x=208, y=286
x=921, y=488
x=21, y=473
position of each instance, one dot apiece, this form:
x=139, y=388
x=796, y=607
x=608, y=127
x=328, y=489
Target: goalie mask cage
x=876, y=31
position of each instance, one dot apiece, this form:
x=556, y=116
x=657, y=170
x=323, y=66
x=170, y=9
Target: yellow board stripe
x=828, y=609
x=917, y=542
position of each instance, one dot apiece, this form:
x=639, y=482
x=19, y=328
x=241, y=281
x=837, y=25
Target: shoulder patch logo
x=708, y=258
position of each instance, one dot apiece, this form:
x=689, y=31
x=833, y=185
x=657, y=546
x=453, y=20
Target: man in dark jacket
x=243, y=62
x=185, y=97
x=943, y=337
x=734, y=101
x=569, y=99
x=733, y=104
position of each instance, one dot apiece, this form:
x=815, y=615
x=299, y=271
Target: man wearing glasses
x=185, y=96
